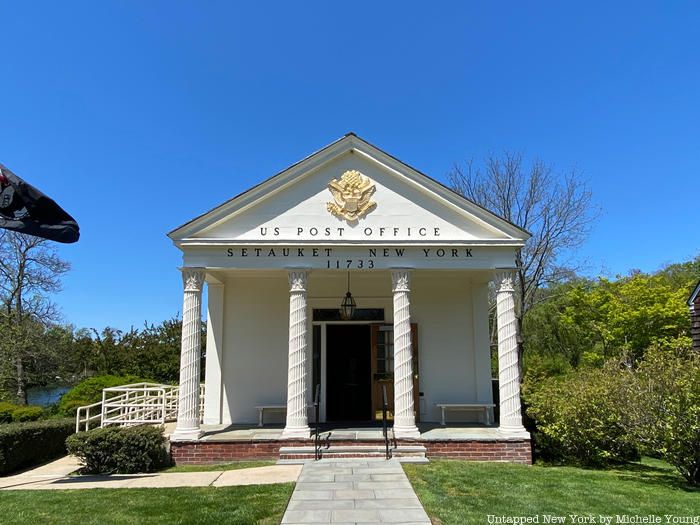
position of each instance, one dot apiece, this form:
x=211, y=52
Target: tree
x=548, y=331
x=30, y=269
x=556, y=210
x=590, y=321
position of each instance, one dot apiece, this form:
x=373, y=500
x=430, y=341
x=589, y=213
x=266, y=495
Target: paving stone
x=374, y=485
x=353, y=477
x=355, y=515
x=334, y=504
x=307, y=516
x=403, y=503
x=385, y=477
x=403, y=515
x=316, y=477
x=326, y=485
x=353, y=494
x=313, y=494
x=329, y=470
x=375, y=470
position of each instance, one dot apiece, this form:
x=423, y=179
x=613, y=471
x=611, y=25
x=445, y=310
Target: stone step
x=302, y=454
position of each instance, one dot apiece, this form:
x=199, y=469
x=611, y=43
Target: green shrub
x=578, y=418
x=540, y=367
x=662, y=407
x=89, y=391
x=27, y=444
x=124, y=450
x=27, y=413
x=6, y=411
x=10, y=412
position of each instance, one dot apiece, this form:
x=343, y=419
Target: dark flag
x=25, y=209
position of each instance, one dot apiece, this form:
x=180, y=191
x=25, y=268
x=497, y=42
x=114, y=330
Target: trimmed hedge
x=26, y=444
x=123, y=450
x=10, y=412
x=28, y=413
x=6, y=411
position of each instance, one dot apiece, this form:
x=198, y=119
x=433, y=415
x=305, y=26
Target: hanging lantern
x=347, y=307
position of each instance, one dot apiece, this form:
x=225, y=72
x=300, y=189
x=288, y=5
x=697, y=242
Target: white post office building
x=353, y=276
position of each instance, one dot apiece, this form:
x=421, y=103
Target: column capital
x=297, y=280
x=193, y=279
x=504, y=279
x=400, y=280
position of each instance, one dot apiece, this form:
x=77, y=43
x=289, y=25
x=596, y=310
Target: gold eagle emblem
x=352, y=196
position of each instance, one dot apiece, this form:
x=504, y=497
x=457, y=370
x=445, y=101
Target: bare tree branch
x=556, y=209
x=30, y=270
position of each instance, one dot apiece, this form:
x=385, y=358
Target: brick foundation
x=202, y=453
x=509, y=451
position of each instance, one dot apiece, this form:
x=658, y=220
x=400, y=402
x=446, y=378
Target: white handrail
x=134, y=404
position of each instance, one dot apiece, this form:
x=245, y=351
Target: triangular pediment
x=400, y=204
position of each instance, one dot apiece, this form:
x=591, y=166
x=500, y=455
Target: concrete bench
x=272, y=408
x=486, y=408
x=269, y=408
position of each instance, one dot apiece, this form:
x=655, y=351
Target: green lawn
x=220, y=466
x=460, y=492
x=263, y=504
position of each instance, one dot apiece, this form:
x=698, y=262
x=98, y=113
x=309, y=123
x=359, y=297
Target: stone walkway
x=354, y=491
x=55, y=475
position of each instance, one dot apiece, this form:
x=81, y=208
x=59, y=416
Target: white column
x=404, y=414
x=508, y=373
x=187, y=427
x=297, y=425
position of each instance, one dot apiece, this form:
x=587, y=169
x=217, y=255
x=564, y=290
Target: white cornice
x=362, y=242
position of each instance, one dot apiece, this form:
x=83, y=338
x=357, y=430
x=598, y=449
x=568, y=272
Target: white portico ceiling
x=292, y=208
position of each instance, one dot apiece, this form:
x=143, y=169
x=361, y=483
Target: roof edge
x=694, y=294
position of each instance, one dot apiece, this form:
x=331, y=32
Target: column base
x=407, y=432
x=513, y=430
x=186, y=434
x=296, y=433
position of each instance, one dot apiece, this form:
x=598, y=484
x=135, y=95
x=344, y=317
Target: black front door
x=348, y=373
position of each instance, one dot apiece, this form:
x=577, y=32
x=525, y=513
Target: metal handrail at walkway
x=133, y=404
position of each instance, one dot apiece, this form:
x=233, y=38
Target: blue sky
x=138, y=116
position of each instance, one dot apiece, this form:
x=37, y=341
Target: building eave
x=694, y=295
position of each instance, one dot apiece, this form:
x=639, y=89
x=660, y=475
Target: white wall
x=255, y=344
x=453, y=344
x=453, y=350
